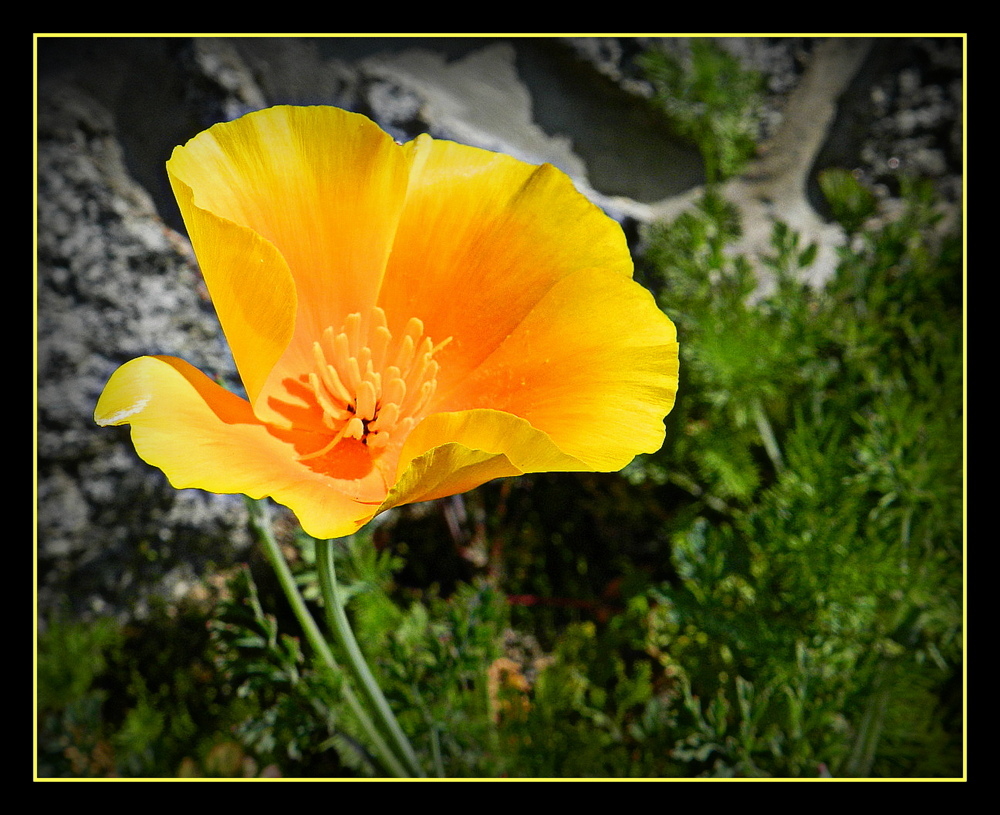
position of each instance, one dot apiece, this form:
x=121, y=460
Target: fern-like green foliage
x=818, y=591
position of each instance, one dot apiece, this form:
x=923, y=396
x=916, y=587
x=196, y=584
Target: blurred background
x=777, y=592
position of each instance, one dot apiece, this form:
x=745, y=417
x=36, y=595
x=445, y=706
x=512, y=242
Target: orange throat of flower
x=370, y=388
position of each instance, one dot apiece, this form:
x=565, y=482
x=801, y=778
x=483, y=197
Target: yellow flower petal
x=447, y=470
x=202, y=436
x=251, y=287
x=324, y=188
x=594, y=366
x=448, y=453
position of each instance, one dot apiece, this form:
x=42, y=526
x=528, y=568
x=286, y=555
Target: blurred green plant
x=710, y=99
x=818, y=598
x=430, y=656
x=130, y=701
x=850, y=201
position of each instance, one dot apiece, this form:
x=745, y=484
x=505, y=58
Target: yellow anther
x=369, y=387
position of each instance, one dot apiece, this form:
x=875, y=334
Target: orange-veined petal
x=202, y=436
x=594, y=366
x=481, y=240
x=324, y=188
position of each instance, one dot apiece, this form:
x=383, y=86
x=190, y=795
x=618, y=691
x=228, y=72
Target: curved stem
x=262, y=527
x=337, y=622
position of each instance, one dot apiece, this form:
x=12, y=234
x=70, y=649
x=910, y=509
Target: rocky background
x=117, y=279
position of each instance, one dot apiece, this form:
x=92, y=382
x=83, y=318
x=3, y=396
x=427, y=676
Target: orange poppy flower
x=409, y=321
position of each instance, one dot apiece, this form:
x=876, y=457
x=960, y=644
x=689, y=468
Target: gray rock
x=114, y=282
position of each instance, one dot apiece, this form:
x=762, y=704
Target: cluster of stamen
x=369, y=387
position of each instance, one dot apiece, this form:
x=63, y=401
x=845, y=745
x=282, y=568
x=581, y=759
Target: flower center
x=370, y=387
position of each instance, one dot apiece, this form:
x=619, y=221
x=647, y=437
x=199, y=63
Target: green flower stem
x=262, y=527
x=338, y=623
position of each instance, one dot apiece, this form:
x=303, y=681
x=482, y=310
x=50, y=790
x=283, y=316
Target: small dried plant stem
x=767, y=436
